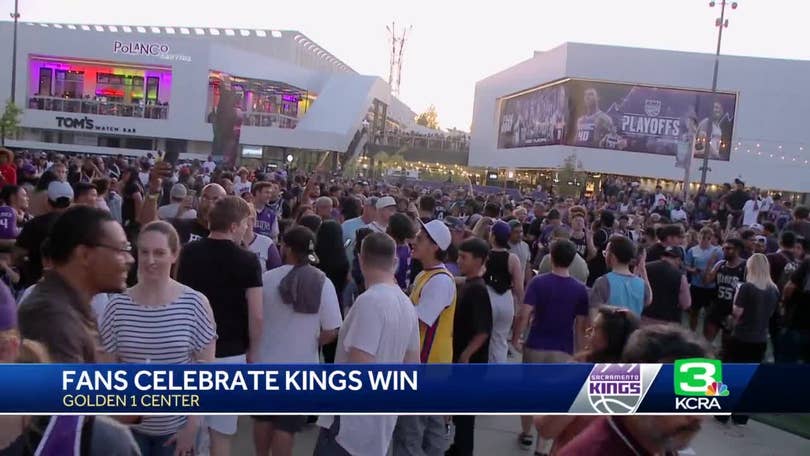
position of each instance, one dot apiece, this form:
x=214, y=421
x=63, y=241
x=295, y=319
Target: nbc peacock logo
x=717, y=389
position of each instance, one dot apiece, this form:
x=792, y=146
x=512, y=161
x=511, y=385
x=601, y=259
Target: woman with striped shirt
x=159, y=320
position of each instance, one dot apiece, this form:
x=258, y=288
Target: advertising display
x=617, y=116
x=227, y=125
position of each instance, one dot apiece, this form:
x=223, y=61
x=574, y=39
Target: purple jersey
x=265, y=220
x=8, y=223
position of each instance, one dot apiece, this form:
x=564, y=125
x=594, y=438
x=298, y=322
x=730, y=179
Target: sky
x=455, y=43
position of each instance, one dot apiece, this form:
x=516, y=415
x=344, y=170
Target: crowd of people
x=115, y=259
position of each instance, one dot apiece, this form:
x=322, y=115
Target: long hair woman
x=335, y=264
x=504, y=278
x=160, y=320
x=754, y=304
x=610, y=330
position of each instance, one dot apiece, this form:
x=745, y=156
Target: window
x=96, y=87
x=170, y=30
x=113, y=28
x=127, y=28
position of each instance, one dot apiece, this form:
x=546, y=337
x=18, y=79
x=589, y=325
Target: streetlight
x=16, y=16
x=720, y=23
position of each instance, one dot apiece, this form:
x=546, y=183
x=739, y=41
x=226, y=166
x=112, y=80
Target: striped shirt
x=166, y=334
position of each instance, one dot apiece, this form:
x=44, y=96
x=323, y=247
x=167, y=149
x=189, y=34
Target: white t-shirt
x=260, y=246
x=241, y=187
x=144, y=177
x=289, y=336
x=749, y=213
x=521, y=249
x=676, y=215
x=209, y=167
x=766, y=203
x=383, y=323
x=169, y=211
x=436, y=295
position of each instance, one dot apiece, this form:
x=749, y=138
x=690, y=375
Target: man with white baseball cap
x=434, y=295
x=386, y=207
x=180, y=207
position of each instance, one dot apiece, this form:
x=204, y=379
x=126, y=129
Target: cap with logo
x=438, y=233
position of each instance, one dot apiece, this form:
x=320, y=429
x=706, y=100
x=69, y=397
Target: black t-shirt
x=473, y=316
x=222, y=271
x=31, y=237
x=798, y=306
x=736, y=200
x=655, y=252
x=189, y=230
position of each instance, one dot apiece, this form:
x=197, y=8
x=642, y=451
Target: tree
x=429, y=118
x=570, y=179
x=9, y=121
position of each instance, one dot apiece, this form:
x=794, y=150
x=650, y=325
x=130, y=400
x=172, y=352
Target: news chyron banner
x=630, y=117
x=692, y=386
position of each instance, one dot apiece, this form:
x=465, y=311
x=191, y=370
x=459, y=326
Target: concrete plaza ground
x=498, y=435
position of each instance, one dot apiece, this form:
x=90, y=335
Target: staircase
x=356, y=148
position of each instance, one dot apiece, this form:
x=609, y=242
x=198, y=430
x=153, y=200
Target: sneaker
x=526, y=441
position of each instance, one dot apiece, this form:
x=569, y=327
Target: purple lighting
x=290, y=98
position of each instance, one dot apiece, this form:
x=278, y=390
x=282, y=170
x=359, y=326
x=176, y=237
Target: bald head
x=211, y=193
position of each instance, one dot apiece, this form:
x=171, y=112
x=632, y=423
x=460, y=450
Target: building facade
x=133, y=89
x=644, y=112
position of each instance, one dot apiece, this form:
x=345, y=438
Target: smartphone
x=171, y=156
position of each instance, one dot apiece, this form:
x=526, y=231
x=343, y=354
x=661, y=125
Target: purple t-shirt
x=8, y=223
x=403, y=265
x=557, y=301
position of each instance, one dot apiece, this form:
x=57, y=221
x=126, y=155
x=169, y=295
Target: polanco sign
x=159, y=50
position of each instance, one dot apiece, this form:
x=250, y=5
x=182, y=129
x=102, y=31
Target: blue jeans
x=153, y=445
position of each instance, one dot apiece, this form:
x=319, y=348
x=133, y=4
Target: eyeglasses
x=126, y=248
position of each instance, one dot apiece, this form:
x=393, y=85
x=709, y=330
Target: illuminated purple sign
x=290, y=98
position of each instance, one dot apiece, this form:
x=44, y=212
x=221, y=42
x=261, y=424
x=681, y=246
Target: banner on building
x=630, y=117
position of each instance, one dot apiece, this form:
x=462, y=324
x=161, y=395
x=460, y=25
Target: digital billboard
x=629, y=117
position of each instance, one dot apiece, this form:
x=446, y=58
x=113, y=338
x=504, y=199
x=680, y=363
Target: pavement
x=497, y=435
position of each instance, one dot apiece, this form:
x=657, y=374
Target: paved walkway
x=497, y=435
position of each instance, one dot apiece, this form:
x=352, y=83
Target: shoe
x=526, y=441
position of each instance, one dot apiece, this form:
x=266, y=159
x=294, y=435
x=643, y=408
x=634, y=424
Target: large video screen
x=617, y=116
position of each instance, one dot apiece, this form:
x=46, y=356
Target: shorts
x=718, y=314
x=531, y=356
x=225, y=424
x=702, y=297
x=287, y=423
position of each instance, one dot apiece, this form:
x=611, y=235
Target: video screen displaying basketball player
x=594, y=125
x=720, y=141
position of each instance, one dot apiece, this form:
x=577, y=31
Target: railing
x=419, y=141
x=100, y=107
x=269, y=119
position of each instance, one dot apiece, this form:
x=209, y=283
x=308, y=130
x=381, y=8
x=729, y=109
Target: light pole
x=16, y=16
x=720, y=23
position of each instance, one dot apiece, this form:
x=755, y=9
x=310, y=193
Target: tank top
x=497, y=275
x=435, y=342
x=582, y=246
x=727, y=280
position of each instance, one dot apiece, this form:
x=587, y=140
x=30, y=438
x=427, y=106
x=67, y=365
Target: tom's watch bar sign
x=86, y=123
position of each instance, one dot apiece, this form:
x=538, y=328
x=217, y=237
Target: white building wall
x=773, y=108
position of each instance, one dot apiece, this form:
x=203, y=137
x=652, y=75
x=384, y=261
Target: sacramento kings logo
x=652, y=107
x=615, y=388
